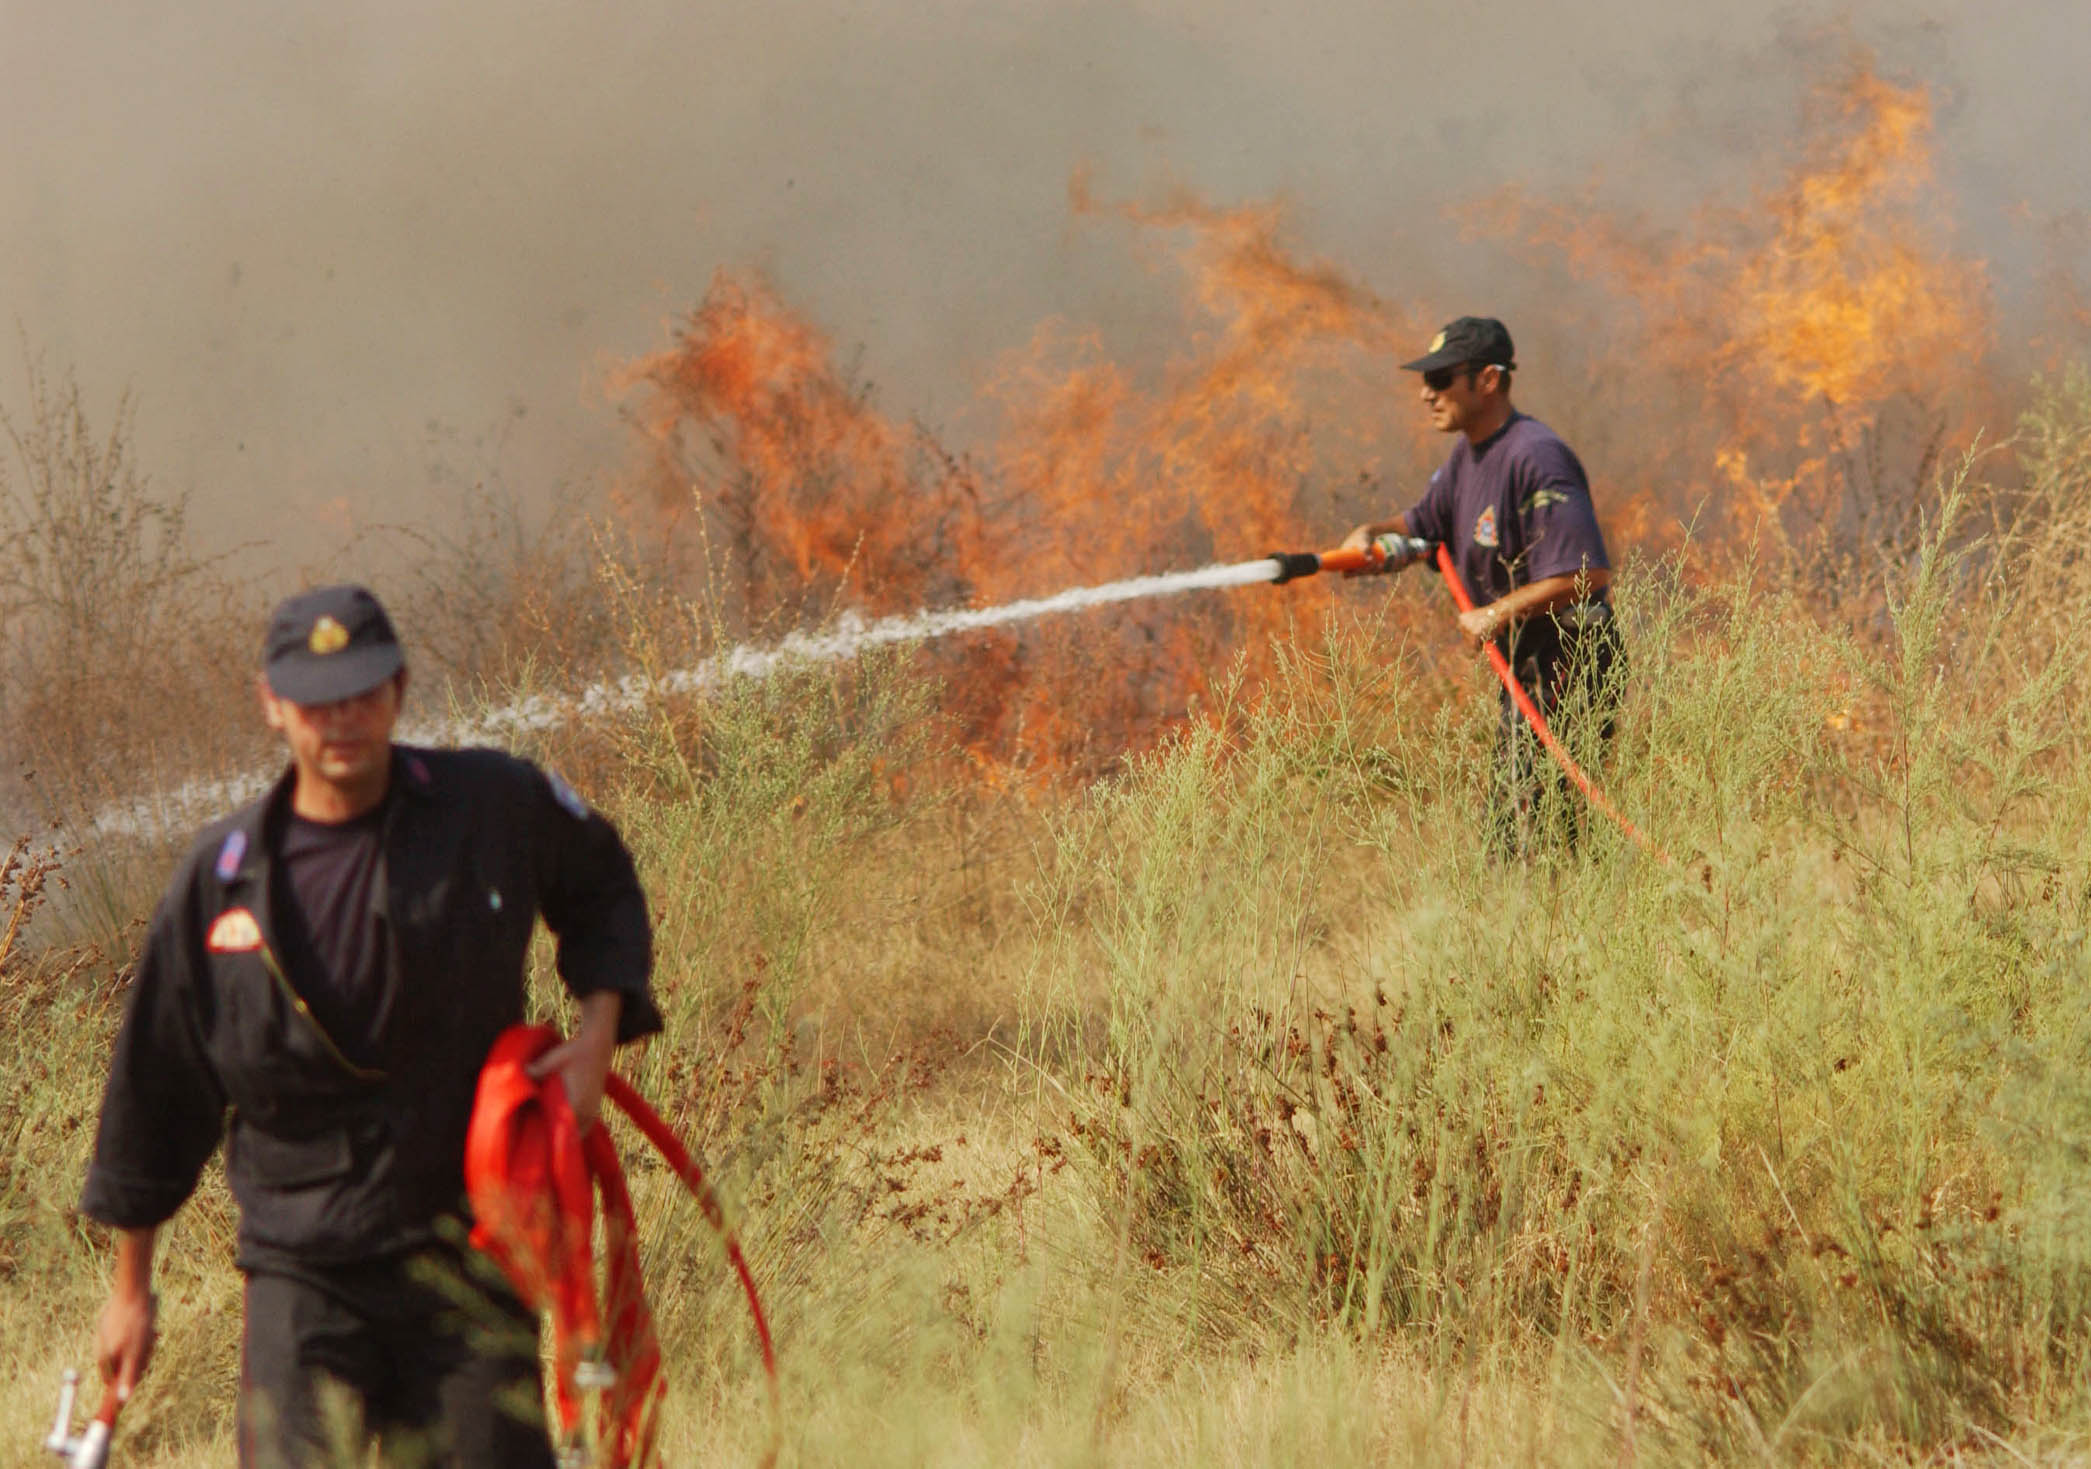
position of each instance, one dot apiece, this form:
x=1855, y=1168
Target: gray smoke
x=345, y=253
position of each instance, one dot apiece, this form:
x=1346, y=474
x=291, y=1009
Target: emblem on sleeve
x=328, y=636
x=1485, y=528
x=235, y=932
x=230, y=855
x=568, y=798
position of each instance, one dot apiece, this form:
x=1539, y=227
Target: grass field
x=1239, y=1109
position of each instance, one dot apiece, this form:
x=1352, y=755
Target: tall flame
x=1848, y=299
x=1769, y=344
x=804, y=479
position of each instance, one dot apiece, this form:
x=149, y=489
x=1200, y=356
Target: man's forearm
x=1550, y=594
x=123, y=1338
x=599, y=1015
x=1535, y=599
x=1396, y=526
x=134, y=1249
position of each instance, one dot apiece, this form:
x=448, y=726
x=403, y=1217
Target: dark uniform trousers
x=435, y=1363
x=1571, y=664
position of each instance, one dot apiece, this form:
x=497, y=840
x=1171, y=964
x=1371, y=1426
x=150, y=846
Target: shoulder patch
x=568, y=798
x=235, y=932
x=231, y=855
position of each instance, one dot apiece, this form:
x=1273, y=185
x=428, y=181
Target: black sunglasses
x=1440, y=378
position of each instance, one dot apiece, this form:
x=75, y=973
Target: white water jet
x=198, y=800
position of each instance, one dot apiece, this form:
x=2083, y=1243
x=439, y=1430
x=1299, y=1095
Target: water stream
x=196, y=801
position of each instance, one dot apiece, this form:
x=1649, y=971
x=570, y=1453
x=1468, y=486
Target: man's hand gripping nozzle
x=90, y=1450
x=1380, y=555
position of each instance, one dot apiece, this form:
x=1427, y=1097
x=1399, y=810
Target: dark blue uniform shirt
x=1514, y=509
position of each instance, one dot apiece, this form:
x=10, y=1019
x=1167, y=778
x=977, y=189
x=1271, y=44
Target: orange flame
x=1779, y=334
x=805, y=480
x=1763, y=351
x=1848, y=300
x=1094, y=478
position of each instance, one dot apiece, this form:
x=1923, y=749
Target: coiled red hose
x=532, y=1176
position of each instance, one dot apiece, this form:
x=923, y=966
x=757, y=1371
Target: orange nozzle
x=1354, y=558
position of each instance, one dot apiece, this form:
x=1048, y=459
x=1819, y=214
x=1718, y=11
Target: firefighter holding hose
x=1512, y=505
x=320, y=985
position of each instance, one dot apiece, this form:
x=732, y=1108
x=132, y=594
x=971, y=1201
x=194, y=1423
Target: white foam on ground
x=196, y=801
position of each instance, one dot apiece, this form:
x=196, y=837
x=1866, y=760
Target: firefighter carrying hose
x=1512, y=505
x=322, y=980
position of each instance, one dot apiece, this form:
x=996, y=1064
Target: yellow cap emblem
x=328, y=636
x=1437, y=342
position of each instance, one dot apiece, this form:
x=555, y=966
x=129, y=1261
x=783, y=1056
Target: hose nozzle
x=1383, y=553
x=1292, y=565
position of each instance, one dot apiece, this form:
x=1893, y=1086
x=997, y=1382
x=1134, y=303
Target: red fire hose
x=1533, y=717
x=1375, y=556
x=532, y=1175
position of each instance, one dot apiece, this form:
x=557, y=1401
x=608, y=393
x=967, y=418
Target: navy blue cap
x=1481, y=340
x=329, y=644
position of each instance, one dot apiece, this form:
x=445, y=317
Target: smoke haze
x=341, y=252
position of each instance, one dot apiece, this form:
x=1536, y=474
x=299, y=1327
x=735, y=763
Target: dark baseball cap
x=328, y=644
x=1478, y=339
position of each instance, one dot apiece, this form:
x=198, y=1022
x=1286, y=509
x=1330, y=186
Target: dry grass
x=1237, y=1109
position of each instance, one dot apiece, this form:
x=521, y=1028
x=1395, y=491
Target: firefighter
x=318, y=987
x=1512, y=504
